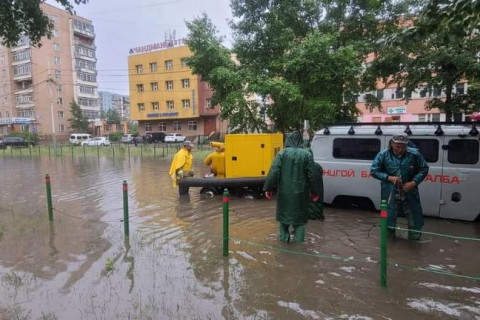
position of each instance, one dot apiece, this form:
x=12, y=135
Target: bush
x=29, y=136
x=115, y=136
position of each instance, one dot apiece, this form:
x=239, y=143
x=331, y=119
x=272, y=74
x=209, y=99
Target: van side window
x=463, y=151
x=361, y=149
x=428, y=148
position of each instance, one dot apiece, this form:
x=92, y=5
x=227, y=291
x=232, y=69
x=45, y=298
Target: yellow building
x=164, y=94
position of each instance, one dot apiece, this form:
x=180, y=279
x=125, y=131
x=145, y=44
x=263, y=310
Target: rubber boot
x=283, y=233
x=299, y=231
x=390, y=233
x=413, y=234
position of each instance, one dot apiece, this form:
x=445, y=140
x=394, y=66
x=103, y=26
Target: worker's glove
x=268, y=195
x=314, y=197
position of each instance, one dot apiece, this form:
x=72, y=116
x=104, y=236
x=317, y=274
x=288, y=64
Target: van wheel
x=353, y=202
x=208, y=192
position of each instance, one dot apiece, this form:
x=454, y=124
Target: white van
x=452, y=152
x=78, y=138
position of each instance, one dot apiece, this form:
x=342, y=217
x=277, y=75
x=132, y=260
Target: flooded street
x=172, y=265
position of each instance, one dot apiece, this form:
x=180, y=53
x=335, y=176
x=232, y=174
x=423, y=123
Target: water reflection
x=171, y=266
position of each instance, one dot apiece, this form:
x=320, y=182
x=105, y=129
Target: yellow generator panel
x=251, y=155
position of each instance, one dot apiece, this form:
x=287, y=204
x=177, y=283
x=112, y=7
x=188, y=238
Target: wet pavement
x=171, y=267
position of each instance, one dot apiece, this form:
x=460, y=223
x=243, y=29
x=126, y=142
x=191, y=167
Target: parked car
x=15, y=142
x=153, y=137
x=175, y=137
x=128, y=138
x=97, y=141
x=78, y=138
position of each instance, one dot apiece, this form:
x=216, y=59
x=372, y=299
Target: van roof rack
x=408, y=126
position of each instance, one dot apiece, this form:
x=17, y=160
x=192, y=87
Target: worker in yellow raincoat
x=182, y=163
x=216, y=161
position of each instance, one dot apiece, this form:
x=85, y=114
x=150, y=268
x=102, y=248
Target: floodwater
x=171, y=267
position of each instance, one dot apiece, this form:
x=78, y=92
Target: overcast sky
x=121, y=25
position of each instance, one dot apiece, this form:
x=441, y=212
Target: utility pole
x=50, y=83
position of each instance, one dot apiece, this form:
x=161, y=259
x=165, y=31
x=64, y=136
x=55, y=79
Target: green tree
x=112, y=117
x=25, y=17
x=305, y=56
x=437, y=52
x=78, y=122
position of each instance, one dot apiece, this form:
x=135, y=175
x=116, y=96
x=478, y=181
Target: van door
x=460, y=178
x=430, y=189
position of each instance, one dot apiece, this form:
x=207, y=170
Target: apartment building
x=397, y=107
x=118, y=102
x=38, y=84
x=164, y=94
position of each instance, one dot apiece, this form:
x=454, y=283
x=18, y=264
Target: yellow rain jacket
x=181, y=165
x=216, y=161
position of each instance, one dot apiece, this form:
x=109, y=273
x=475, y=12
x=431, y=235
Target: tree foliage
x=25, y=17
x=112, y=116
x=305, y=56
x=78, y=122
x=434, y=54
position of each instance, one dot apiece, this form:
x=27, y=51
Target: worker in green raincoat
x=401, y=169
x=292, y=174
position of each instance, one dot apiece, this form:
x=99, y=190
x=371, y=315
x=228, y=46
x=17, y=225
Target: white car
x=96, y=141
x=175, y=137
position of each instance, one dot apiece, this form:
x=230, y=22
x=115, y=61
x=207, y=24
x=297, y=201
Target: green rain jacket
x=410, y=167
x=292, y=174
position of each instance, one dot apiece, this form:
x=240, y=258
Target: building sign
x=397, y=110
x=159, y=46
x=6, y=121
x=163, y=114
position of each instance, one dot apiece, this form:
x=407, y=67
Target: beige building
x=38, y=84
x=164, y=94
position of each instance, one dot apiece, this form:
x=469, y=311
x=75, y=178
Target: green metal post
x=125, y=209
x=383, y=244
x=49, y=198
x=225, y=222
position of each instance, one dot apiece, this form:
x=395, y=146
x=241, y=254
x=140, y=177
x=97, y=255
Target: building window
x=141, y=107
x=60, y=114
x=422, y=117
x=186, y=103
x=399, y=93
x=55, y=33
x=61, y=127
x=177, y=126
x=460, y=88
x=437, y=91
x=56, y=46
x=435, y=117
x=148, y=127
x=58, y=74
x=169, y=85
x=192, y=125
x=380, y=94
x=208, y=103
x=154, y=86
x=162, y=126
x=155, y=106
x=139, y=69
x=4, y=73
x=59, y=88
x=56, y=60
x=168, y=64
x=153, y=67
x=183, y=61
x=170, y=105
x=140, y=88
x=185, y=83
x=59, y=101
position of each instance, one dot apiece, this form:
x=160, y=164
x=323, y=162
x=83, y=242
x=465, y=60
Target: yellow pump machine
x=248, y=158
